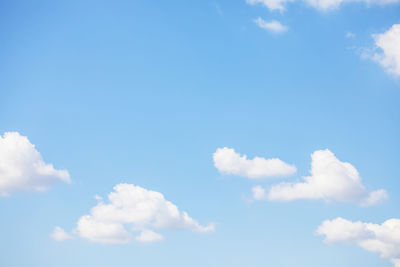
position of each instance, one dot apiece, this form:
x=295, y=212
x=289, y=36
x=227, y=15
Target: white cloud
x=389, y=45
x=328, y=5
x=133, y=209
x=321, y=5
x=350, y=35
x=331, y=180
x=383, y=239
x=271, y=4
x=98, y=198
x=227, y=161
x=374, y=197
x=272, y=26
x=22, y=167
x=60, y=235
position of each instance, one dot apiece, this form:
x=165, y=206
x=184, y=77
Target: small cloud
x=271, y=26
x=98, y=198
x=271, y=4
x=388, y=45
x=147, y=236
x=227, y=161
x=374, y=198
x=259, y=193
x=60, y=235
x=350, y=35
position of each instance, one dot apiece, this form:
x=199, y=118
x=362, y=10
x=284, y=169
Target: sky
x=200, y=133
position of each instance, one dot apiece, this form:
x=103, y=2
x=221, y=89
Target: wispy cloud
x=350, y=35
x=271, y=26
x=321, y=5
x=219, y=10
x=270, y=4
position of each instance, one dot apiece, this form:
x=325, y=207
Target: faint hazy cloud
x=321, y=5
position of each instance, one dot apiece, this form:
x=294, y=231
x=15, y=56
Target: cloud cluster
x=383, y=239
x=227, y=161
x=22, y=167
x=330, y=179
x=389, y=44
x=321, y=5
x=271, y=26
x=134, y=209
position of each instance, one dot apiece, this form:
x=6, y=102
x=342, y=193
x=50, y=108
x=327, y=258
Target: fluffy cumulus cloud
x=389, y=45
x=322, y=5
x=227, y=161
x=22, y=167
x=383, y=239
x=330, y=179
x=271, y=26
x=134, y=212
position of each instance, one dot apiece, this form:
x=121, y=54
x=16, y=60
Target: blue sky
x=144, y=93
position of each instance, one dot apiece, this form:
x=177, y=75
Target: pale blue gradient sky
x=144, y=92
